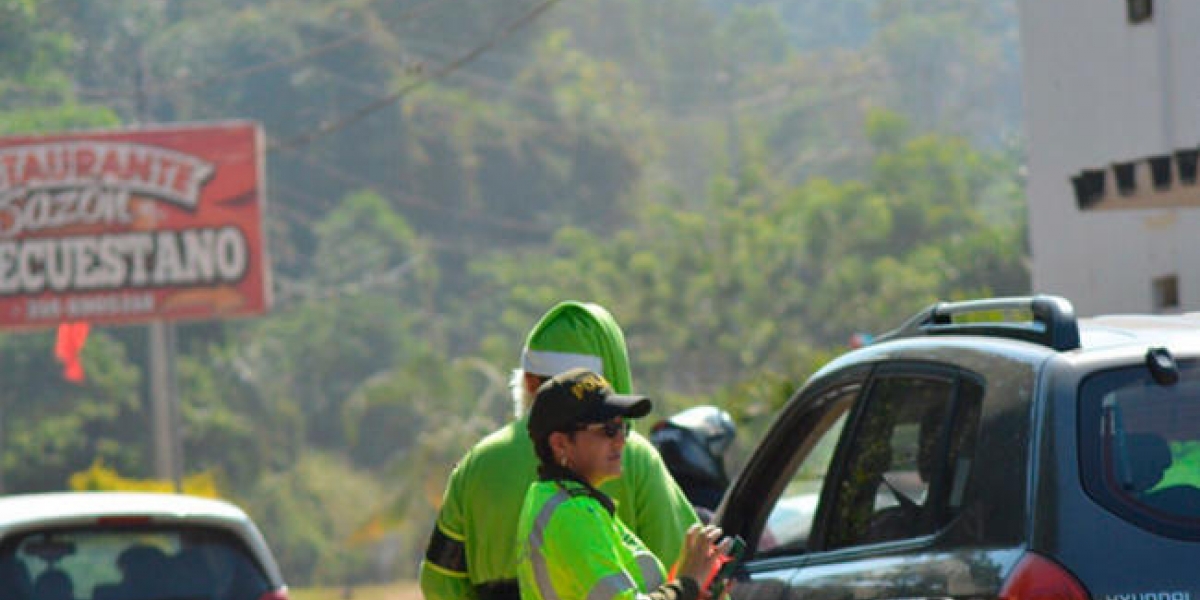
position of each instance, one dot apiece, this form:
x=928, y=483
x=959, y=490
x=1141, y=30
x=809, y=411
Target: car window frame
x=819, y=542
x=748, y=503
x=837, y=409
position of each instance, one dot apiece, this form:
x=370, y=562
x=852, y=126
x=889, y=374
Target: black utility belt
x=501, y=589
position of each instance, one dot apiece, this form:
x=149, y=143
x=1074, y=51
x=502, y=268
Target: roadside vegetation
x=746, y=185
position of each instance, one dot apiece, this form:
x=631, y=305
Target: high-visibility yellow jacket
x=474, y=538
x=571, y=548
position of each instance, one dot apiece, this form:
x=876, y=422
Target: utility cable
x=288, y=290
x=397, y=196
x=340, y=123
x=413, y=200
x=314, y=52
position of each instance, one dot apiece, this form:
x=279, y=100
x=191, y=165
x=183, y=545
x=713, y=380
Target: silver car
x=132, y=546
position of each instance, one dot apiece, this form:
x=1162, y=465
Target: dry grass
x=400, y=590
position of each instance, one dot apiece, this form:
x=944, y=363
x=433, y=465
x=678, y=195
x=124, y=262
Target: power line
x=413, y=200
x=288, y=290
x=397, y=196
x=342, y=122
x=187, y=83
x=431, y=243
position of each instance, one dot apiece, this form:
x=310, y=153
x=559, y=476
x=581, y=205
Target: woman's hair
x=545, y=454
x=541, y=447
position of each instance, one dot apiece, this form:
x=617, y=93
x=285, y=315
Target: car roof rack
x=1053, y=325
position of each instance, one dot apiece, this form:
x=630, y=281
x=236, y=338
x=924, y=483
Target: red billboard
x=132, y=226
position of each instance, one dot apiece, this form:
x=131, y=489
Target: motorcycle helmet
x=693, y=444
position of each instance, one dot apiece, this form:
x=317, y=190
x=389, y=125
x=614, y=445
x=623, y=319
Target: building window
x=1160, y=170
x=1140, y=10
x=1166, y=293
x=1186, y=161
x=1089, y=188
x=1126, y=178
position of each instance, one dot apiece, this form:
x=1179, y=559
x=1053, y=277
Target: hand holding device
x=731, y=557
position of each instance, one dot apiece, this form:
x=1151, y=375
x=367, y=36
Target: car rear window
x=129, y=564
x=1141, y=447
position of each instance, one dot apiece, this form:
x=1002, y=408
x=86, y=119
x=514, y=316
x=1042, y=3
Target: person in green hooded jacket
x=471, y=552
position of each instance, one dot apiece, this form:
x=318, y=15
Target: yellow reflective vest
x=570, y=547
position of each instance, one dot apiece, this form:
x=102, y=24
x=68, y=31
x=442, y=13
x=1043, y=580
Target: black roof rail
x=1053, y=324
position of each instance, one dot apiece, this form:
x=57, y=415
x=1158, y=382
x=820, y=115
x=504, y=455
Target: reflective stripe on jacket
x=478, y=517
x=572, y=548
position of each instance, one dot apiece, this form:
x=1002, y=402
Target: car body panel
x=1023, y=490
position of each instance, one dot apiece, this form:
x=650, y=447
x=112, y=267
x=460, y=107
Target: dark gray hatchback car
x=995, y=448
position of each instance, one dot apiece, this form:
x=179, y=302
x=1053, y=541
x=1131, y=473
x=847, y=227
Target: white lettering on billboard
x=178, y=258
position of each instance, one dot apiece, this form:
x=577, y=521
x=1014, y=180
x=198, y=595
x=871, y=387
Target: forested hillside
x=744, y=184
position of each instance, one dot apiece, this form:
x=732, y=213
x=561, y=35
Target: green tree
x=765, y=276
x=36, y=94
x=952, y=66
x=451, y=404
x=227, y=427
x=52, y=428
x=309, y=512
x=358, y=314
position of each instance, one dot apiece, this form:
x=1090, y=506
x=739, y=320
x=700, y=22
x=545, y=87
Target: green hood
x=578, y=334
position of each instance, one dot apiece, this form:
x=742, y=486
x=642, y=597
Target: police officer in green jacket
x=471, y=553
x=571, y=544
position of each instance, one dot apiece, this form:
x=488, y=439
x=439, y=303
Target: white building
x=1112, y=106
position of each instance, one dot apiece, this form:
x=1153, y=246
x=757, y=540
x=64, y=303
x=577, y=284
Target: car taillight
x=1039, y=578
x=279, y=594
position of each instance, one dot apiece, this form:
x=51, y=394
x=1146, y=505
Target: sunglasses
x=610, y=429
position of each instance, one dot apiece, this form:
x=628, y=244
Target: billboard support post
x=164, y=402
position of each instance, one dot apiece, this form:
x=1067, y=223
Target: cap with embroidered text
x=579, y=397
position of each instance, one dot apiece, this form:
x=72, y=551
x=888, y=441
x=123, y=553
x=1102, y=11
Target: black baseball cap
x=580, y=396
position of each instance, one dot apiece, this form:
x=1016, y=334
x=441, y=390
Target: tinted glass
x=908, y=461
x=129, y=564
x=1141, y=446
x=791, y=517
x=774, y=500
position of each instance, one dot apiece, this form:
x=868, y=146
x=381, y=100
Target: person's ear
x=558, y=442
